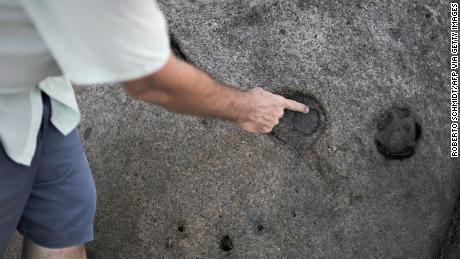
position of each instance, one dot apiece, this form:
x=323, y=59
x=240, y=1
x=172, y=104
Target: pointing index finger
x=295, y=106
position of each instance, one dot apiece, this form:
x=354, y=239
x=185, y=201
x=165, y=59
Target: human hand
x=260, y=110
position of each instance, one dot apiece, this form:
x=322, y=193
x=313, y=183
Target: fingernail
x=307, y=109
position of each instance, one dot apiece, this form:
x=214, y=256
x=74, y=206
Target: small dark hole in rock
x=283, y=31
x=427, y=15
x=348, y=22
x=294, y=214
x=260, y=228
x=181, y=228
x=87, y=133
x=226, y=243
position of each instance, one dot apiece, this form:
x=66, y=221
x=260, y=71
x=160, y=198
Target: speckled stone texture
x=15, y=247
x=451, y=247
x=172, y=186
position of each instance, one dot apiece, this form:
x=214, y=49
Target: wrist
x=235, y=105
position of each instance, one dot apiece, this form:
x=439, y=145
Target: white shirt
x=90, y=41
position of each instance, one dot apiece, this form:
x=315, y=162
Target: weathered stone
x=14, y=250
x=338, y=198
x=451, y=247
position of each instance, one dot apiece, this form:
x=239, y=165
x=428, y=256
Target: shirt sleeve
x=98, y=41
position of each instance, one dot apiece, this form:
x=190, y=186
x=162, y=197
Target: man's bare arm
x=183, y=88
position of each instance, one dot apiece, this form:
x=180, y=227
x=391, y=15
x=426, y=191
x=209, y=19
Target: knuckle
x=270, y=118
x=260, y=130
x=281, y=105
x=281, y=99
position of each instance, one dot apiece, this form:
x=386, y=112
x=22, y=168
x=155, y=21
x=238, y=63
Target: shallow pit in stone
x=181, y=228
x=306, y=123
x=398, y=133
x=301, y=129
x=226, y=243
x=260, y=228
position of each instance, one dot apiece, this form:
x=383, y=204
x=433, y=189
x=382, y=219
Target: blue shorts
x=52, y=202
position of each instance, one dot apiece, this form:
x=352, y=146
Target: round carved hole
x=398, y=133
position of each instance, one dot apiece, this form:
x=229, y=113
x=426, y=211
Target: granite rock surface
x=172, y=186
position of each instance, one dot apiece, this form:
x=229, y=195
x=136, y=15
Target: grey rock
x=451, y=247
x=14, y=250
x=338, y=197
